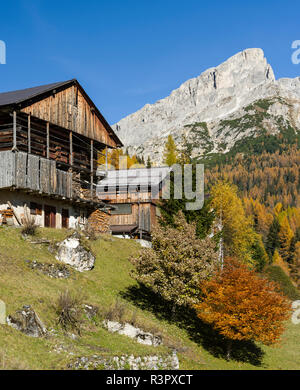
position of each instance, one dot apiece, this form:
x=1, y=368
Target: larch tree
x=170, y=152
x=237, y=232
x=285, y=236
x=240, y=305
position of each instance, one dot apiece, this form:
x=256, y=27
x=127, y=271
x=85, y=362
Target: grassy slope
x=110, y=279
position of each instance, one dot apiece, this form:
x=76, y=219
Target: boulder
x=27, y=321
x=72, y=252
x=133, y=332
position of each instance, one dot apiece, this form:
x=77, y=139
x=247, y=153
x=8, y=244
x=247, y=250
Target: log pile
x=76, y=186
x=100, y=221
x=6, y=216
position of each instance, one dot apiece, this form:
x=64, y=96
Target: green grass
x=276, y=274
x=198, y=347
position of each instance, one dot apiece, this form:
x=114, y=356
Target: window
x=122, y=209
x=35, y=208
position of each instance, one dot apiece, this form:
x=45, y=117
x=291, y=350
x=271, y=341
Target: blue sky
x=127, y=53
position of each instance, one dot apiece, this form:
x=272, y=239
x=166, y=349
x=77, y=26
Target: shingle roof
x=133, y=177
x=13, y=97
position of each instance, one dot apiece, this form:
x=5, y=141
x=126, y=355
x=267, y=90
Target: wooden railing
x=29, y=172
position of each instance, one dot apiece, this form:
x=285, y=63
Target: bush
x=177, y=263
x=276, y=274
x=29, y=225
x=69, y=309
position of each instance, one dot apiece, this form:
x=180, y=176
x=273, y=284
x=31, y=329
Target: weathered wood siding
x=7, y=169
x=34, y=173
x=70, y=109
x=140, y=215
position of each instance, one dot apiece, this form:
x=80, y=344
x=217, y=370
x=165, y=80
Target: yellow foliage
x=277, y=260
x=285, y=236
x=238, y=233
x=118, y=160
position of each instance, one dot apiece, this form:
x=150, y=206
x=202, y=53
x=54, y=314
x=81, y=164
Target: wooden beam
x=106, y=161
x=14, y=130
x=48, y=139
x=15, y=213
x=92, y=167
x=71, y=148
x=29, y=134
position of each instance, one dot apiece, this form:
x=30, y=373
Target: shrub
x=177, y=262
x=242, y=306
x=69, y=309
x=29, y=225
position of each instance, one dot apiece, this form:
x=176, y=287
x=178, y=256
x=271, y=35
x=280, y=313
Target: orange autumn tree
x=242, y=306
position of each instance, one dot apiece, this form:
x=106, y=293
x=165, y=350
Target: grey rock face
x=70, y=251
x=216, y=95
x=133, y=332
x=27, y=321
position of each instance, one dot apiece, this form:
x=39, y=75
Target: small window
x=35, y=208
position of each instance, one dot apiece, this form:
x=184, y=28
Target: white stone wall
x=19, y=199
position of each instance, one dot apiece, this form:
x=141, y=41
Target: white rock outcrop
x=70, y=251
x=218, y=93
x=133, y=332
x=169, y=362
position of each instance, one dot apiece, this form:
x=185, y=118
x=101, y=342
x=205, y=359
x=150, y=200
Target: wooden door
x=65, y=218
x=50, y=216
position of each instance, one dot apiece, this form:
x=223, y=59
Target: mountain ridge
x=218, y=94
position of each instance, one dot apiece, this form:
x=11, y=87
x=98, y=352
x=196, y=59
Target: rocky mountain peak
x=214, y=95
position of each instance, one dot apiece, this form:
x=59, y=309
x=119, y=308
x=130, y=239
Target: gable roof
x=21, y=95
x=24, y=97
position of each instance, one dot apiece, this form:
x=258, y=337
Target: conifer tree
x=272, y=242
x=285, y=236
x=149, y=164
x=170, y=152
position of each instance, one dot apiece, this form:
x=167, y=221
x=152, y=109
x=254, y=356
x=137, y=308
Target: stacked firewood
x=6, y=216
x=76, y=185
x=100, y=221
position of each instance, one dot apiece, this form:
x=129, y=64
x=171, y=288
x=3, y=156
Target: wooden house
x=49, y=139
x=134, y=194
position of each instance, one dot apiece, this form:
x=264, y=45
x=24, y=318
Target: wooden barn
x=50, y=137
x=134, y=193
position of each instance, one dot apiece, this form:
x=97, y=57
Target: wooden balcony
x=23, y=171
